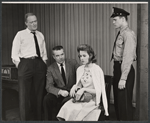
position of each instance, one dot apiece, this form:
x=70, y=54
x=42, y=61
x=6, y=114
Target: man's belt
x=32, y=57
x=118, y=62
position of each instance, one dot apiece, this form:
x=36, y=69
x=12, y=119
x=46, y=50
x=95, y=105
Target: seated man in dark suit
x=61, y=76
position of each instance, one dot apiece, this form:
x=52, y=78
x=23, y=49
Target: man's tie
x=36, y=44
x=63, y=73
x=112, y=56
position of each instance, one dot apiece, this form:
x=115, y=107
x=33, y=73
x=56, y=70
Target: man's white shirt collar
x=29, y=31
x=60, y=66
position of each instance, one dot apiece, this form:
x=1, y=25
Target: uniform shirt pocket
x=119, y=46
x=120, y=42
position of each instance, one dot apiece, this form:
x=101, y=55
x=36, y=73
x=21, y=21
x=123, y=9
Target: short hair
x=125, y=17
x=59, y=47
x=90, y=51
x=27, y=15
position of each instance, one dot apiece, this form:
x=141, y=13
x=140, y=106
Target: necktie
x=63, y=73
x=36, y=45
x=112, y=56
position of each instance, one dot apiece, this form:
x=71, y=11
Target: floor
x=13, y=114
x=12, y=107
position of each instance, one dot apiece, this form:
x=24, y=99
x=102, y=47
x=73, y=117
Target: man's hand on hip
x=17, y=63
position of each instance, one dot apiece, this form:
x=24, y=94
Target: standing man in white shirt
x=29, y=55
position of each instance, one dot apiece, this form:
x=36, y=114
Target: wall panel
x=12, y=21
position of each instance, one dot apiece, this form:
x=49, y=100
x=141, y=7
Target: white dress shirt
x=24, y=45
x=60, y=72
x=63, y=67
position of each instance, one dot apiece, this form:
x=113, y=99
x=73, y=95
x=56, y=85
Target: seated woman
x=90, y=80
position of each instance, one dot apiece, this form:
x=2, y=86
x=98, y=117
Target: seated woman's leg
x=60, y=119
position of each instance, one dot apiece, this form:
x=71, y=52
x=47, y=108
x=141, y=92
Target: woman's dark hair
x=89, y=50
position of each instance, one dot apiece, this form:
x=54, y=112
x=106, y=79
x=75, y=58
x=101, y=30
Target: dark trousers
x=52, y=105
x=123, y=97
x=31, y=75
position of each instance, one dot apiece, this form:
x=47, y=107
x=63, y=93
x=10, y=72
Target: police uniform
x=124, y=54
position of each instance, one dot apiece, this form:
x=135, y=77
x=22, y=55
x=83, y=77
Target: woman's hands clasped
x=79, y=93
x=73, y=91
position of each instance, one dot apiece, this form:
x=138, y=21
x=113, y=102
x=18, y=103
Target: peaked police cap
x=119, y=12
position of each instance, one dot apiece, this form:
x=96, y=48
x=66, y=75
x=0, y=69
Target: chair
x=108, y=82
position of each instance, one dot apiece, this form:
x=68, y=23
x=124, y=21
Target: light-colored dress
x=81, y=111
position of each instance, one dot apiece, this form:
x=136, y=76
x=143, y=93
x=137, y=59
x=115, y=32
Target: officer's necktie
x=63, y=73
x=36, y=44
x=112, y=56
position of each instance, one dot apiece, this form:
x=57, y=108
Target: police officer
x=124, y=54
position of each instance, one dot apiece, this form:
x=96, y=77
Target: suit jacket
x=54, y=79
